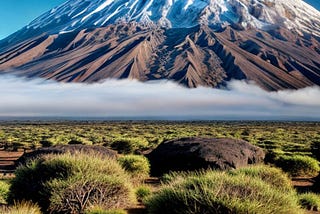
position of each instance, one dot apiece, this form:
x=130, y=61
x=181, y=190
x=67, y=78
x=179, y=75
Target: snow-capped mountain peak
x=275, y=43
x=261, y=14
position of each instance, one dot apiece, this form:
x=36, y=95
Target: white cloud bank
x=163, y=100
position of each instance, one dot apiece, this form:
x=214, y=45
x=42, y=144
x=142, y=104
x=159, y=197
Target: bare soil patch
x=7, y=162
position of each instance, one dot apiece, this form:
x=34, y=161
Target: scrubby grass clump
x=310, y=201
x=4, y=191
x=128, y=145
x=137, y=166
x=142, y=192
x=298, y=165
x=221, y=192
x=73, y=183
x=23, y=207
x=271, y=175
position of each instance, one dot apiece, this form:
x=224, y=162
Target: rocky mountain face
x=275, y=43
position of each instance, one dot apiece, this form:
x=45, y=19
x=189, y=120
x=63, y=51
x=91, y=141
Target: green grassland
x=91, y=183
x=280, y=137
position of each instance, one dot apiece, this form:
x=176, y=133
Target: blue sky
x=315, y=3
x=15, y=14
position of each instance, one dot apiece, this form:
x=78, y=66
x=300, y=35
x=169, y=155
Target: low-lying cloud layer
x=162, y=100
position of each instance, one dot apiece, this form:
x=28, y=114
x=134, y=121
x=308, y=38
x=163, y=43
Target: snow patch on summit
x=262, y=14
x=101, y=7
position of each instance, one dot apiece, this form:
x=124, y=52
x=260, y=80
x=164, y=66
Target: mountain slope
x=194, y=42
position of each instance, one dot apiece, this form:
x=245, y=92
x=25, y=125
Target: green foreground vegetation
x=258, y=189
x=133, y=136
x=91, y=183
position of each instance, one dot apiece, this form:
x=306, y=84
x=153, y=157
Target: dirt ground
x=7, y=162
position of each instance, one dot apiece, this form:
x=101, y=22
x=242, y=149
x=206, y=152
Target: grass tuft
x=23, y=207
x=142, y=192
x=298, y=165
x=271, y=175
x=4, y=191
x=310, y=201
x=136, y=165
x=221, y=192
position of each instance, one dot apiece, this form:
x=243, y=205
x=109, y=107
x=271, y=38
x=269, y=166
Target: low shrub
x=75, y=142
x=310, y=201
x=271, y=175
x=298, y=165
x=137, y=165
x=70, y=183
x=220, y=192
x=4, y=191
x=61, y=149
x=46, y=143
x=15, y=146
x=129, y=145
x=142, y=192
x=123, y=146
x=272, y=155
x=22, y=208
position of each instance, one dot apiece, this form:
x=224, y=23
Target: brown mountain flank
x=198, y=56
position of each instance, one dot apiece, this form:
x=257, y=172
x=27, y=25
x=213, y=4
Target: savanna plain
x=101, y=167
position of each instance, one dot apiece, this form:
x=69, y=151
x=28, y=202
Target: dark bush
x=315, y=149
x=123, y=146
x=17, y=145
x=75, y=142
x=46, y=143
